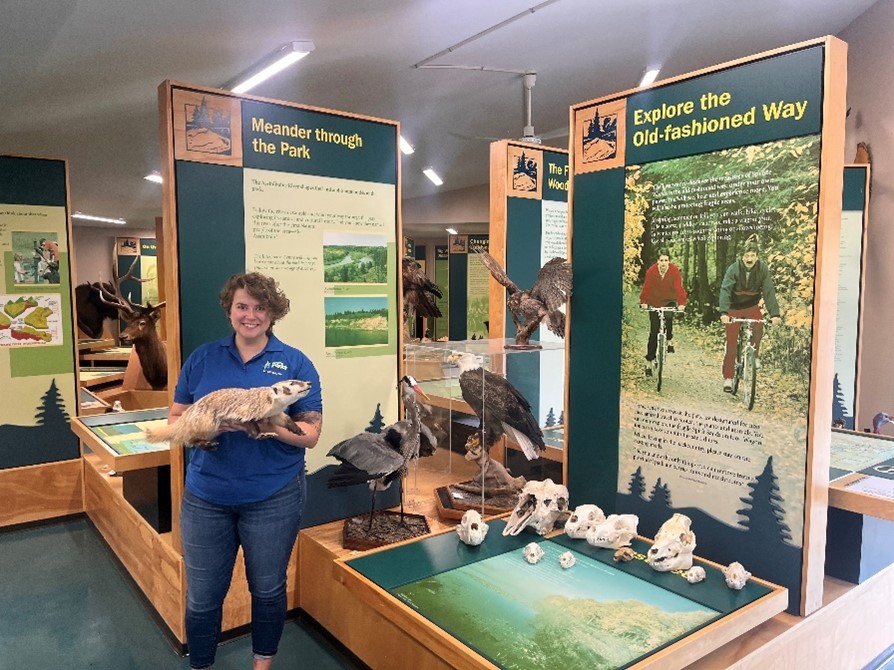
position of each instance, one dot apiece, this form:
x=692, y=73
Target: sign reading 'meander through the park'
x=700, y=206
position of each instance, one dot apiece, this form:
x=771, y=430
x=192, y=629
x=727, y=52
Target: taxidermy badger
x=201, y=422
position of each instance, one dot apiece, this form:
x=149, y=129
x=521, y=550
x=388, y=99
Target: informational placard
x=442, y=279
x=308, y=197
x=468, y=282
x=706, y=193
x=851, y=258
x=36, y=340
x=529, y=214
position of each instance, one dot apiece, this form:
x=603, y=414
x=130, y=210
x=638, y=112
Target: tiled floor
x=65, y=603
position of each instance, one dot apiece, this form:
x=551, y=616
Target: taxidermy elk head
x=141, y=328
x=92, y=311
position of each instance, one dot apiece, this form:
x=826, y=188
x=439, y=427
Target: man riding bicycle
x=663, y=287
x=745, y=282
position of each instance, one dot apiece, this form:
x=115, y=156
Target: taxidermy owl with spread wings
x=541, y=303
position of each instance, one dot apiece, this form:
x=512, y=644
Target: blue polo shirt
x=244, y=470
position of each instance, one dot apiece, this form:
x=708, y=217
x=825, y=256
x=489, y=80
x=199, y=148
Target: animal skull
x=673, y=546
x=533, y=553
x=566, y=560
x=695, y=574
x=615, y=532
x=540, y=504
x=623, y=555
x=736, y=575
x=471, y=529
x=584, y=518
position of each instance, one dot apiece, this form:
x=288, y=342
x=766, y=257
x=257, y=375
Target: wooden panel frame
x=38, y=492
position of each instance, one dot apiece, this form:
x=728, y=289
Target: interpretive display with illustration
x=851, y=261
x=36, y=339
x=468, y=287
x=699, y=204
x=308, y=197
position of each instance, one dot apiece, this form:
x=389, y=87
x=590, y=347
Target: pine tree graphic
x=550, y=418
x=51, y=412
x=637, y=483
x=661, y=494
x=377, y=422
x=763, y=510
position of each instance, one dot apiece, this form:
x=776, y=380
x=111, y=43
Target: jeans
x=212, y=535
x=654, y=327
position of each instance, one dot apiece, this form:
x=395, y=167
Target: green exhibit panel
x=597, y=613
x=37, y=346
x=715, y=197
x=468, y=286
x=308, y=197
x=851, y=262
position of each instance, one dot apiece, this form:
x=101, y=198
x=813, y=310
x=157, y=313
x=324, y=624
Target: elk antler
x=116, y=299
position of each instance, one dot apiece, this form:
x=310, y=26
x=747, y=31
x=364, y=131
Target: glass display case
x=500, y=409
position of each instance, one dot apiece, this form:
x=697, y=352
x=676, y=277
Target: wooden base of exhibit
x=387, y=527
x=151, y=559
x=37, y=492
x=453, y=503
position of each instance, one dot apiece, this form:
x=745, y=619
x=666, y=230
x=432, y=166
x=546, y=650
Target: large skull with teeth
x=673, y=546
x=540, y=504
x=615, y=532
x=471, y=529
x=584, y=518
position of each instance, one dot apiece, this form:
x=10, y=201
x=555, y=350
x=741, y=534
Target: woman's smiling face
x=247, y=316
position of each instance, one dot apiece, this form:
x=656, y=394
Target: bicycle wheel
x=661, y=356
x=738, y=371
x=750, y=378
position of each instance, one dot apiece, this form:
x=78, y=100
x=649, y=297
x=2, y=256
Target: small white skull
x=533, y=553
x=471, y=529
x=695, y=574
x=673, y=546
x=566, y=560
x=736, y=575
x=540, y=504
x=617, y=531
x=623, y=555
x=583, y=520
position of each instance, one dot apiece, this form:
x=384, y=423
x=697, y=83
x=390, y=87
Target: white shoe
x=757, y=364
x=728, y=385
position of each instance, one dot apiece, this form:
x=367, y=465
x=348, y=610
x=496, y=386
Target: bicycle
x=661, y=349
x=746, y=360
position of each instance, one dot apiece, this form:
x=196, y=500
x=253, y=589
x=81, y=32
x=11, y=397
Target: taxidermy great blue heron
x=377, y=459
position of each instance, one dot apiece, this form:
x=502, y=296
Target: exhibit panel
x=701, y=304
x=468, y=285
x=851, y=265
x=307, y=196
x=37, y=342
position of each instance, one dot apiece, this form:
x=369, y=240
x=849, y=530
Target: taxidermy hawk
x=541, y=303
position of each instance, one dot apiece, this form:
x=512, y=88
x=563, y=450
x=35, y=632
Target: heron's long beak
x=415, y=386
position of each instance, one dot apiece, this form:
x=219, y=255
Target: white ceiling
x=80, y=77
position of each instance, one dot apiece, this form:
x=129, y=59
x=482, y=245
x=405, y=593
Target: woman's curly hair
x=262, y=288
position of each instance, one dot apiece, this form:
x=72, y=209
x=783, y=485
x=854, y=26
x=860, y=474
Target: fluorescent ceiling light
x=154, y=177
x=649, y=76
x=452, y=231
x=103, y=219
x=277, y=62
x=405, y=146
x=433, y=176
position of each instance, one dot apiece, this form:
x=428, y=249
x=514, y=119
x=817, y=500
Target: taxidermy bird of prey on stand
x=379, y=458
x=540, y=303
x=419, y=292
x=500, y=408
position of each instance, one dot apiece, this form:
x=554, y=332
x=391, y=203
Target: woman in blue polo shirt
x=246, y=492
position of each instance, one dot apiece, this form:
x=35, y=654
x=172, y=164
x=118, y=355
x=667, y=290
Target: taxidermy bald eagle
x=419, y=292
x=500, y=408
x=541, y=302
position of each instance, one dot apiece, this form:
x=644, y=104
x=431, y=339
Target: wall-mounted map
x=30, y=319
